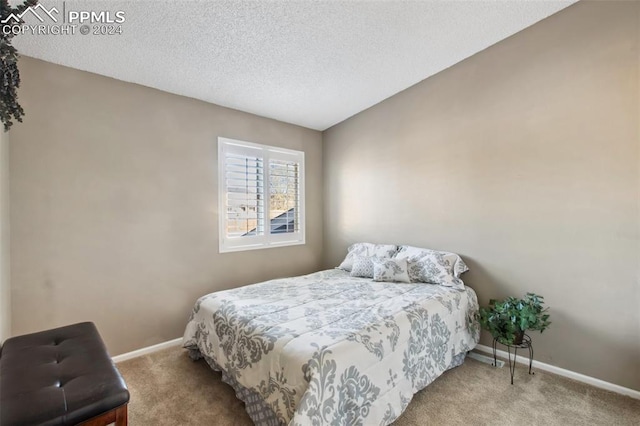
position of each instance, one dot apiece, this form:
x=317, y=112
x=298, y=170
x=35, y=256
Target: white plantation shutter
x=284, y=194
x=261, y=197
x=244, y=181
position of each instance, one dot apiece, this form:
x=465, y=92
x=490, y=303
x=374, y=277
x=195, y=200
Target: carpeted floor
x=167, y=388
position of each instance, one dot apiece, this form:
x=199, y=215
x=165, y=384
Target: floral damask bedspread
x=327, y=348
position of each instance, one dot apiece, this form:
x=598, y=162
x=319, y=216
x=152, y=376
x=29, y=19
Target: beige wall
x=525, y=160
x=5, y=286
x=114, y=205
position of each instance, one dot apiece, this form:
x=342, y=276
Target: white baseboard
x=147, y=350
x=486, y=359
x=480, y=348
x=564, y=373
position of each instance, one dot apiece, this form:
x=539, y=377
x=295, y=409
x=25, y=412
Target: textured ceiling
x=311, y=63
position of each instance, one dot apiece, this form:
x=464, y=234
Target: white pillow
x=391, y=270
x=431, y=266
x=367, y=249
x=362, y=267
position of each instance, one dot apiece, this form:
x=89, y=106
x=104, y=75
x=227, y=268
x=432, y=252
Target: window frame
x=268, y=240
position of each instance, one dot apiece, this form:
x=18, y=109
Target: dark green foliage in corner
x=512, y=316
x=10, y=109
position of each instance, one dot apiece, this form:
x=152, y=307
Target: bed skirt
x=260, y=412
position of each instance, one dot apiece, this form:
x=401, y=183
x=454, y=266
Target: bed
x=330, y=348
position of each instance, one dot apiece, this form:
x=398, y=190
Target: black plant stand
x=526, y=344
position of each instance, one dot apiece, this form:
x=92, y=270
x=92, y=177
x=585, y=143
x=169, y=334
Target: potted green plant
x=507, y=320
x=10, y=109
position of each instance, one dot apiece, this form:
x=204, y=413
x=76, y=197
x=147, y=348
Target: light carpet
x=167, y=388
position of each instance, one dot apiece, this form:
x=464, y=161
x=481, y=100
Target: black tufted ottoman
x=62, y=376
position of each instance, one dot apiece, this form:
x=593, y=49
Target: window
x=261, y=196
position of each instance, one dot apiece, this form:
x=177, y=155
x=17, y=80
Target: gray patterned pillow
x=367, y=249
x=431, y=266
x=362, y=267
x=391, y=270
